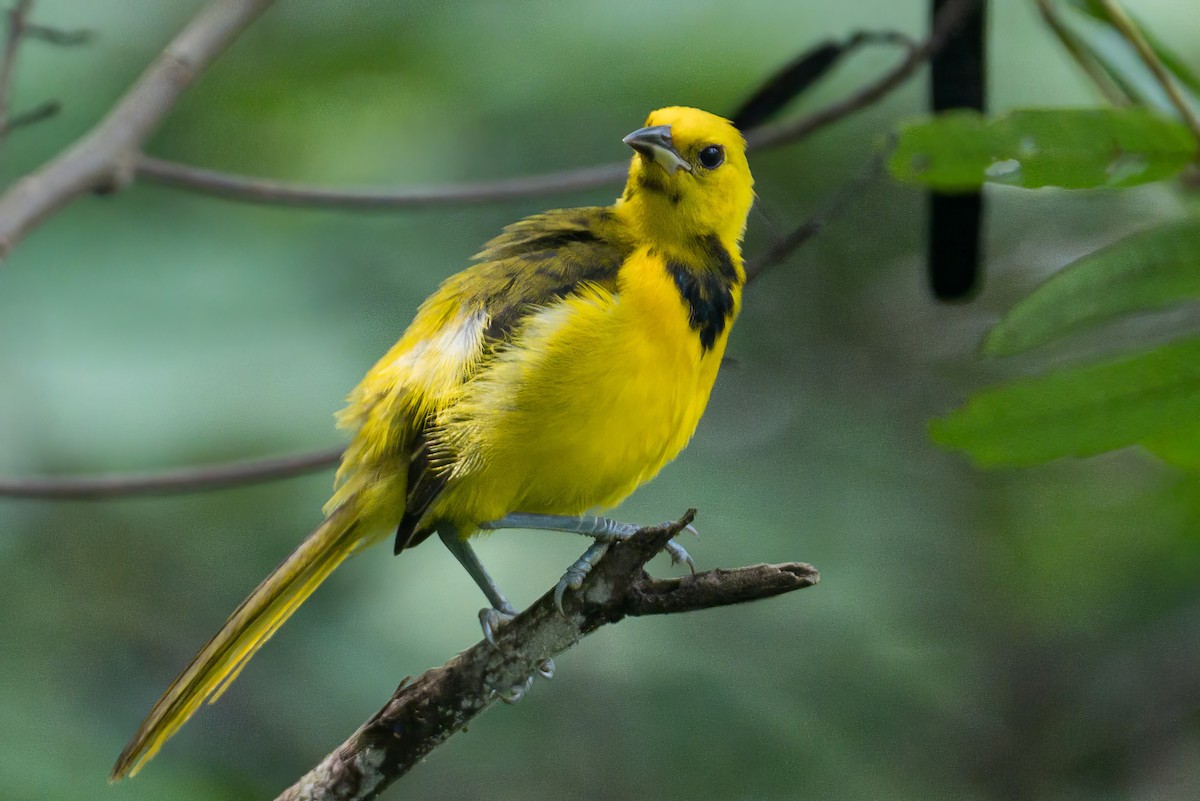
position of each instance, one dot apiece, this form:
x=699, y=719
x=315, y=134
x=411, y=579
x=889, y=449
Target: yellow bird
x=554, y=376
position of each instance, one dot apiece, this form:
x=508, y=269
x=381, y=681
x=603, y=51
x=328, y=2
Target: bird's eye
x=712, y=157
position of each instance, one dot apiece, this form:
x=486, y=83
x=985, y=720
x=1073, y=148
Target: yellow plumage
x=554, y=376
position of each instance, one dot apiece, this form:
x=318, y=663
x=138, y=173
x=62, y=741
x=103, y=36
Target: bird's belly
x=583, y=422
x=610, y=435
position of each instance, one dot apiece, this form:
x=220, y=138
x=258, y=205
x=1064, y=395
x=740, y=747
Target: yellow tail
x=216, y=666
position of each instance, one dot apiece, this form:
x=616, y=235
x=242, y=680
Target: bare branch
x=424, y=713
x=188, y=479
x=255, y=190
x=103, y=158
x=258, y=190
x=719, y=587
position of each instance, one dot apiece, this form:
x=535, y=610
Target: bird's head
x=689, y=178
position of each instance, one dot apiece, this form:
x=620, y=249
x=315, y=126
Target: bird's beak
x=654, y=143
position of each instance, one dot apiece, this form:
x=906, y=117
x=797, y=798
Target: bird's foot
x=577, y=572
x=490, y=620
x=606, y=532
x=513, y=694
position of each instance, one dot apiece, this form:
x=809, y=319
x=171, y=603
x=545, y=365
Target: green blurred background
x=1020, y=634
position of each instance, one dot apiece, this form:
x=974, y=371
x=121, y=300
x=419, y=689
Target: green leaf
x=1081, y=411
x=1179, y=446
x=1068, y=148
x=1147, y=270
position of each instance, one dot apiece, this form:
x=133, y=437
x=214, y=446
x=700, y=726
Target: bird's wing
x=534, y=263
x=540, y=260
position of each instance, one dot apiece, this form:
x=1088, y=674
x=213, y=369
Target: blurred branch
x=424, y=713
x=188, y=479
x=947, y=22
x=256, y=190
x=781, y=88
x=15, y=30
x=56, y=36
x=102, y=160
x=43, y=111
x=18, y=29
x=785, y=246
x=1133, y=34
x=259, y=190
x=1078, y=52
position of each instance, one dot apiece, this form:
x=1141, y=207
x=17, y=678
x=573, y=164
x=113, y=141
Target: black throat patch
x=707, y=291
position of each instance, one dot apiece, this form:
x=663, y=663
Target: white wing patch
x=439, y=364
x=501, y=389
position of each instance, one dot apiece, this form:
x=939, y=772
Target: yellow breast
x=593, y=398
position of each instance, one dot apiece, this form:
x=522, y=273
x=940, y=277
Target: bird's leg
x=603, y=530
x=466, y=557
x=500, y=612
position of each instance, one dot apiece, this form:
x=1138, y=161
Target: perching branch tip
x=425, y=712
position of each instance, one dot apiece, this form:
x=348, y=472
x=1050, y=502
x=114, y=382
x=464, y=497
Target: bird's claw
x=515, y=693
x=689, y=528
x=545, y=669
x=576, y=573
x=677, y=552
x=679, y=555
x=571, y=580
x=490, y=620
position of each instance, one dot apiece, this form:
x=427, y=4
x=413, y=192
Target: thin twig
x=187, y=479
x=1133, y=34
x=16, y=20
x=1077, y=51
x=57, y=36
x=103, y=158
x=40, y=112
x=424, y=713
x=785, y=246
x=779, y=90
x=947, y=23
x=256, y=190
